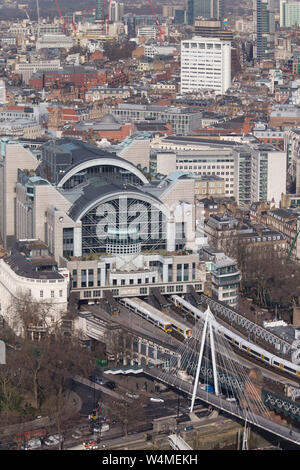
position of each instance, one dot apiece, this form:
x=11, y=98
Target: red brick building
x=85, y=77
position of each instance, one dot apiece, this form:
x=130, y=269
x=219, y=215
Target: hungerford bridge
x=209, y=370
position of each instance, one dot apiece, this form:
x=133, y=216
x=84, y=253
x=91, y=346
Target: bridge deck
x=230, y=407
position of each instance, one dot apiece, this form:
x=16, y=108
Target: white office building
x=2, y=92
x=26, y=70
x=205, y=64
x=252, y=171
x=289, y=13
x=148, y=32
x=116, y=11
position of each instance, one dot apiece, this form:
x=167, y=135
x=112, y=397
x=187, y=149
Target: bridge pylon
x=209, y=334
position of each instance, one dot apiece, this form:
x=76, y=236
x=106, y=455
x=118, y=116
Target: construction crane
x=74, y=27
x=86, y=13
x=103, y=15
x=161, y=31
x=27, y=14
x=61, y=16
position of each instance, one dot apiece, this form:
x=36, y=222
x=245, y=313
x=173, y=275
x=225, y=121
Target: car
x=99, y=381
x=157, y=400
x=188, y=428
x=77, y=434
x=132, y=395
x=110, y=384
x=231, y=399
x=97, y=429
x=52, y=440
x=33, y=444
x=101, y=428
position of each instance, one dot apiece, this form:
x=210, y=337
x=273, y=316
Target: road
x=136, y=440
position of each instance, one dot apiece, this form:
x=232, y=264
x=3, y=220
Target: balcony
x=224, y=281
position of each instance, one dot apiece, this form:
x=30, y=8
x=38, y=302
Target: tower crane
x=61, y=16
x=87, y=12
x=160, y=28
x=161, y=31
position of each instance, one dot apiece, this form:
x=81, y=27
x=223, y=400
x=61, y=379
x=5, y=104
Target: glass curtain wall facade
x=264, y=29
x=207, y=9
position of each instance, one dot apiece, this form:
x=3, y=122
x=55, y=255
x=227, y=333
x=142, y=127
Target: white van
x=34, y=444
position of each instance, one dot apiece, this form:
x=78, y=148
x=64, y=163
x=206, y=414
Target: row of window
x=87, y=294
x=87, y=276
x=131, y=281
x=201, y=45
x=52, y=293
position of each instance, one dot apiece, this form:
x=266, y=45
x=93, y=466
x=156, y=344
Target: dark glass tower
x=206, y=9
x=99, y=10
x=264, y=29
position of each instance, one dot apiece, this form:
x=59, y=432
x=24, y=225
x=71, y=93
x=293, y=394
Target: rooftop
x=23, y=266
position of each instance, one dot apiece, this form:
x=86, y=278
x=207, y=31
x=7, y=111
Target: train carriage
x=252, y=349
x=160, y=319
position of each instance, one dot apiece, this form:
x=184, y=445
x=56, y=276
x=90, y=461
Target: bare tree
x=127, y=412
x=25, y=312
x=38, y=377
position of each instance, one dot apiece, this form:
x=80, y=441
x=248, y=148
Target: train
x=160, y=319
x=252, y=349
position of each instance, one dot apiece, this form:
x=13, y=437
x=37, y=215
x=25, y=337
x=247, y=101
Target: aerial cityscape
x=149, y=227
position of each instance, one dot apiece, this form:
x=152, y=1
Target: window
x=185, y=272
x=179, y=272
x=60, y=293
x=52, y=293
x=68, y=241
x=41, y=293
x=74, y=278
x=83, y=278
x=90, y=277
x=170, y=272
